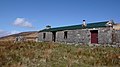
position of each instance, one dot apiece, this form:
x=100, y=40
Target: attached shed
x=98, y=33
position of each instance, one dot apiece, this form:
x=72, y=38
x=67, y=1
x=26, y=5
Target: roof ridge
x=79, y=26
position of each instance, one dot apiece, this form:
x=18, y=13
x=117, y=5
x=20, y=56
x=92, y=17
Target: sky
x=33, y=15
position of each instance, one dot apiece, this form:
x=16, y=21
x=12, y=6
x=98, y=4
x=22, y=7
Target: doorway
x=94, y=36
x=54, y=36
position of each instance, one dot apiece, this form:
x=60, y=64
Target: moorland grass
x=48, y=54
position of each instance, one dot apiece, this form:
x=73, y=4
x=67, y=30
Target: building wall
x=60, y=36
x=80, y=36
x=116, y=36
x=48, y=36
x=84, y=36
x=105, y=36
x=74, y=36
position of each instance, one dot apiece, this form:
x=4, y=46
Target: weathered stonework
x=116, y=36
x=60, y=36
x=74, y=36
x=48, y=36
x=105, y=36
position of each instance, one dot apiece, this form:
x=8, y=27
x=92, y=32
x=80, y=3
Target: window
x=65, y=35
x=44, y=35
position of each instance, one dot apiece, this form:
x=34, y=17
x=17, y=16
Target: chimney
x=110, y=23
x=84, y=23
x=48, y=27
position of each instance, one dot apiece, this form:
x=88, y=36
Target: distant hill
x=30, y=34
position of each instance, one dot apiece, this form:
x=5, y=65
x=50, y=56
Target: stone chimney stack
x=110, y=23
x=84, y=23
x=48, y=27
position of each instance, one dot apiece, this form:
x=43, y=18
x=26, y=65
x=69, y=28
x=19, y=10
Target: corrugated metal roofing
x=73, y=27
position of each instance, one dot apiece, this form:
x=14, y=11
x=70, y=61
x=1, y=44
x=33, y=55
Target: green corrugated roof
x=73, y=27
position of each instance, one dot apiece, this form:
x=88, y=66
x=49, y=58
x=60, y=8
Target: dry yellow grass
x=32, y=54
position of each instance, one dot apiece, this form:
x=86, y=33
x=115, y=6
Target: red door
x=94, y=36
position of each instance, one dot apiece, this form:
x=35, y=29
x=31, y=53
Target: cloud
x=5, y=33
x=22, y=22
x=14, y=32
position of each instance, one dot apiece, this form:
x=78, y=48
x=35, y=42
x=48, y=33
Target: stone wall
x=84, y=36
x=105, y=36
x=116, y=36
x=74, y=36
x=48, y=36
x=60, y=36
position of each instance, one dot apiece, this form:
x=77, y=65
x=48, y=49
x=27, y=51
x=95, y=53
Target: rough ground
x=31, y=54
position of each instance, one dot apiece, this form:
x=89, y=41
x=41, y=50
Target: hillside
x=23, y=34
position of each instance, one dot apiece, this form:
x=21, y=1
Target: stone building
x=97, y=33
x=27, y=36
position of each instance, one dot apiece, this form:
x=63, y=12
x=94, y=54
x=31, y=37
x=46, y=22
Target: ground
x=32, y=54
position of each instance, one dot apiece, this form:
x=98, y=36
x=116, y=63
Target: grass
x=46, y=54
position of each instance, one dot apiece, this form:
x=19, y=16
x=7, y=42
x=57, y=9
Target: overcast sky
x=31, y=15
